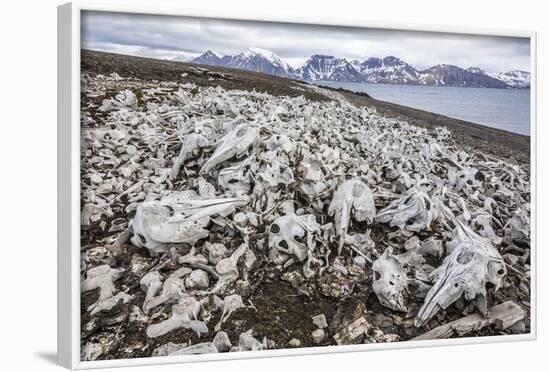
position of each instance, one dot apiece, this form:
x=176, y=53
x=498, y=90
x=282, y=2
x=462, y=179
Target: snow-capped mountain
x=254, y=59
x=388, y=70
x=329, y=68
x=515, y=78
x=209, y=58
x=261, y=60
x=455, y=76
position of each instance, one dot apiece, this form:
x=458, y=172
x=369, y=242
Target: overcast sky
x=171, y=37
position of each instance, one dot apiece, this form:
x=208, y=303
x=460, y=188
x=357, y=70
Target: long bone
x=109, y=303
x=231, y=303
x=184, y=315
x=227, y=269
x=102, y=277
x=173, y=289
x=151, y=284
x=202, y=348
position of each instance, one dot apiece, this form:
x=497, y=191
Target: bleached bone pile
x=190, y=194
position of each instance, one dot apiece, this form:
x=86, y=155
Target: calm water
x=506, y=109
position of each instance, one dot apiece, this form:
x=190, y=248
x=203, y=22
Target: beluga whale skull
x=234, y=143
x=353, y=199
x=293, y=237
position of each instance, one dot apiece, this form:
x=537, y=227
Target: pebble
x=91, y=351
x=294, y=343
x=131, y=149
x=383, y=321
x=511, y=259
x=240, y=219
x=181, y=272
x=318, y=335
x=216, y=252
x=524, y=289
x=518, y=327
x=197, y=279
x=96, y=178
x=249, y=259
x=138, y=264
x=320, y=321
x=359, y=261
x=125, y=171
x=222, y=342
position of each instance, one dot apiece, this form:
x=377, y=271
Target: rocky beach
x=225, y=210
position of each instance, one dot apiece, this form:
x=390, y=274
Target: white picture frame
x=69, y=187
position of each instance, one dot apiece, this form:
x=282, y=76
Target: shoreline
x=491, y=141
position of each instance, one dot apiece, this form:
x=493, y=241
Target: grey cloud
x=170, y=37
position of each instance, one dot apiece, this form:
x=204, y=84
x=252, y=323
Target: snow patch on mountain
x=329, y=68
x=269, y=56
x=215, y=53
x=515, y=78
x=388, y=70
x=476, y=70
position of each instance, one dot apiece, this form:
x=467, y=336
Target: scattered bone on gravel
x=191, y=195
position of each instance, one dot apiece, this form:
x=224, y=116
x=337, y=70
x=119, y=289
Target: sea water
x=507, y=109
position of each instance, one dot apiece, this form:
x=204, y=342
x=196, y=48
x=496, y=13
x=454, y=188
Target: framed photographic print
x=242, y=187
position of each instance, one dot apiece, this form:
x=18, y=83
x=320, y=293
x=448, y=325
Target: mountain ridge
x=387, y=70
